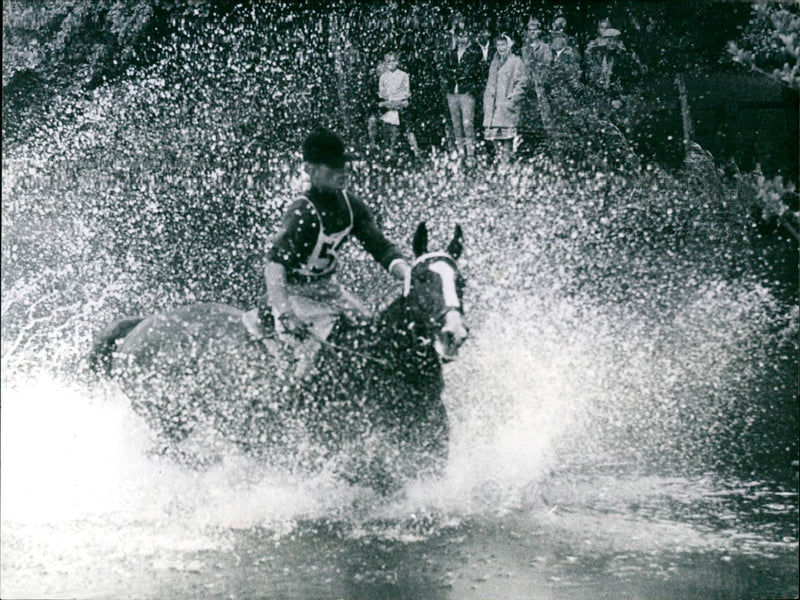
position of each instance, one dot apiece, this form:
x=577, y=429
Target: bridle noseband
x=448, y=305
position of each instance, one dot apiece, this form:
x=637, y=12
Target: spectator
x=562, y=86
x=536, y=56
x=560, y=24
x=600, y=40
x=463, y=77
x=560, y=28
x=394, y=90
x=484, y=40
x=536, y=53
x=603, y=53
x=565, y=59
x=608, y=63
x=610, y=68
x=484, y=43
x=457, y=23
x=505, y=88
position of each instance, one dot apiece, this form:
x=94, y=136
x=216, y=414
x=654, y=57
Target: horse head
x=434, y=290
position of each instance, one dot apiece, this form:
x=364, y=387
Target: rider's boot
x=260, y=324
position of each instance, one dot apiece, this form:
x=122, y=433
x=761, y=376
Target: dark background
x=737, y=115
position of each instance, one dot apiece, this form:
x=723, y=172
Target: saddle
x=299, y=357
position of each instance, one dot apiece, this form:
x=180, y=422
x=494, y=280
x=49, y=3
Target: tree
x=770, y=43
x=69, y=46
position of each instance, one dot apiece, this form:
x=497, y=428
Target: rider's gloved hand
x=293, y=325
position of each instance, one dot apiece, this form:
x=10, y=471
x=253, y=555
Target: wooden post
x=686, y=117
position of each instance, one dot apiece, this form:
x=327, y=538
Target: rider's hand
x=293, y=325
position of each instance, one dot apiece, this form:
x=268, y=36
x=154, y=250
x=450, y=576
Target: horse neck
x=399, y=335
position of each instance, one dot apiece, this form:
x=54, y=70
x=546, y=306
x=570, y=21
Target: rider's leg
x=259, y=321
x=321, y=317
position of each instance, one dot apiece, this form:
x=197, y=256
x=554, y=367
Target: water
x=533, y=500
x=624, y=415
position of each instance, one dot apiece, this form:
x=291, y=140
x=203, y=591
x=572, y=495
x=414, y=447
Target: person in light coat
x=505, y=88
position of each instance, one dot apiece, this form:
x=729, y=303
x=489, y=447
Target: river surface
x=545, y=495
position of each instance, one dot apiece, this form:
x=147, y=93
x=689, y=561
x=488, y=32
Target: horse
x=373, y=409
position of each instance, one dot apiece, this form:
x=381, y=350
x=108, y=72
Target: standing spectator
x=484, y=43
x=564, y=92
x=457, y=23
x=536, y=52
x=600, y=40
x=609, y=69
x=536, y=56
x=394, y=90
x=565, y=58
x=505, y=87
x=443, y=44
x=484, y=40
x=463, y=79
x=559, y=28
x=603, y=53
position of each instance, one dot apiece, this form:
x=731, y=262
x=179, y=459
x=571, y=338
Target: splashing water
x=622, y=413
x=526, y=460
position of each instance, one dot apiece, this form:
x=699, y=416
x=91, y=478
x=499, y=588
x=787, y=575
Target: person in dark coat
x=463, y=77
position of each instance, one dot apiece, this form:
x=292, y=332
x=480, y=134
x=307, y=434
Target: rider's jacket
x=314, y=227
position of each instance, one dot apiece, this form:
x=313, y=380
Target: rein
x=380, y=361
x=406, y=292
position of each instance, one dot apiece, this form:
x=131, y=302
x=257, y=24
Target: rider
x=303, y=295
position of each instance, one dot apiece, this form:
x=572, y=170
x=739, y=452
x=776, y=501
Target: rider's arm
x=399, y=268
x=289, y=249
x=275, y=275
x=374, y=242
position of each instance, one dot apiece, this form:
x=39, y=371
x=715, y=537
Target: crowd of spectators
x=484, y=84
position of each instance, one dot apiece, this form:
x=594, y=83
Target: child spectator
x=394, y=90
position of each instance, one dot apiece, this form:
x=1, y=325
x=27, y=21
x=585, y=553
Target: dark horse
x=373, y=410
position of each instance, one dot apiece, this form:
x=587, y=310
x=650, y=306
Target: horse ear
x=456, y=245
x=420, y=243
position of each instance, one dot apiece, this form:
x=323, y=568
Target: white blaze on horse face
x=448, y=275
x=452, y=335
x=453, y=332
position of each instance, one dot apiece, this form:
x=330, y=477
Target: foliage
x=772, y=195
x=70, y=46
x=770, y=43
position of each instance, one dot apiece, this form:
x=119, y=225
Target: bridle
x=454, y=304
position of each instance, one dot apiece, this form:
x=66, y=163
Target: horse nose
x=454, y=330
